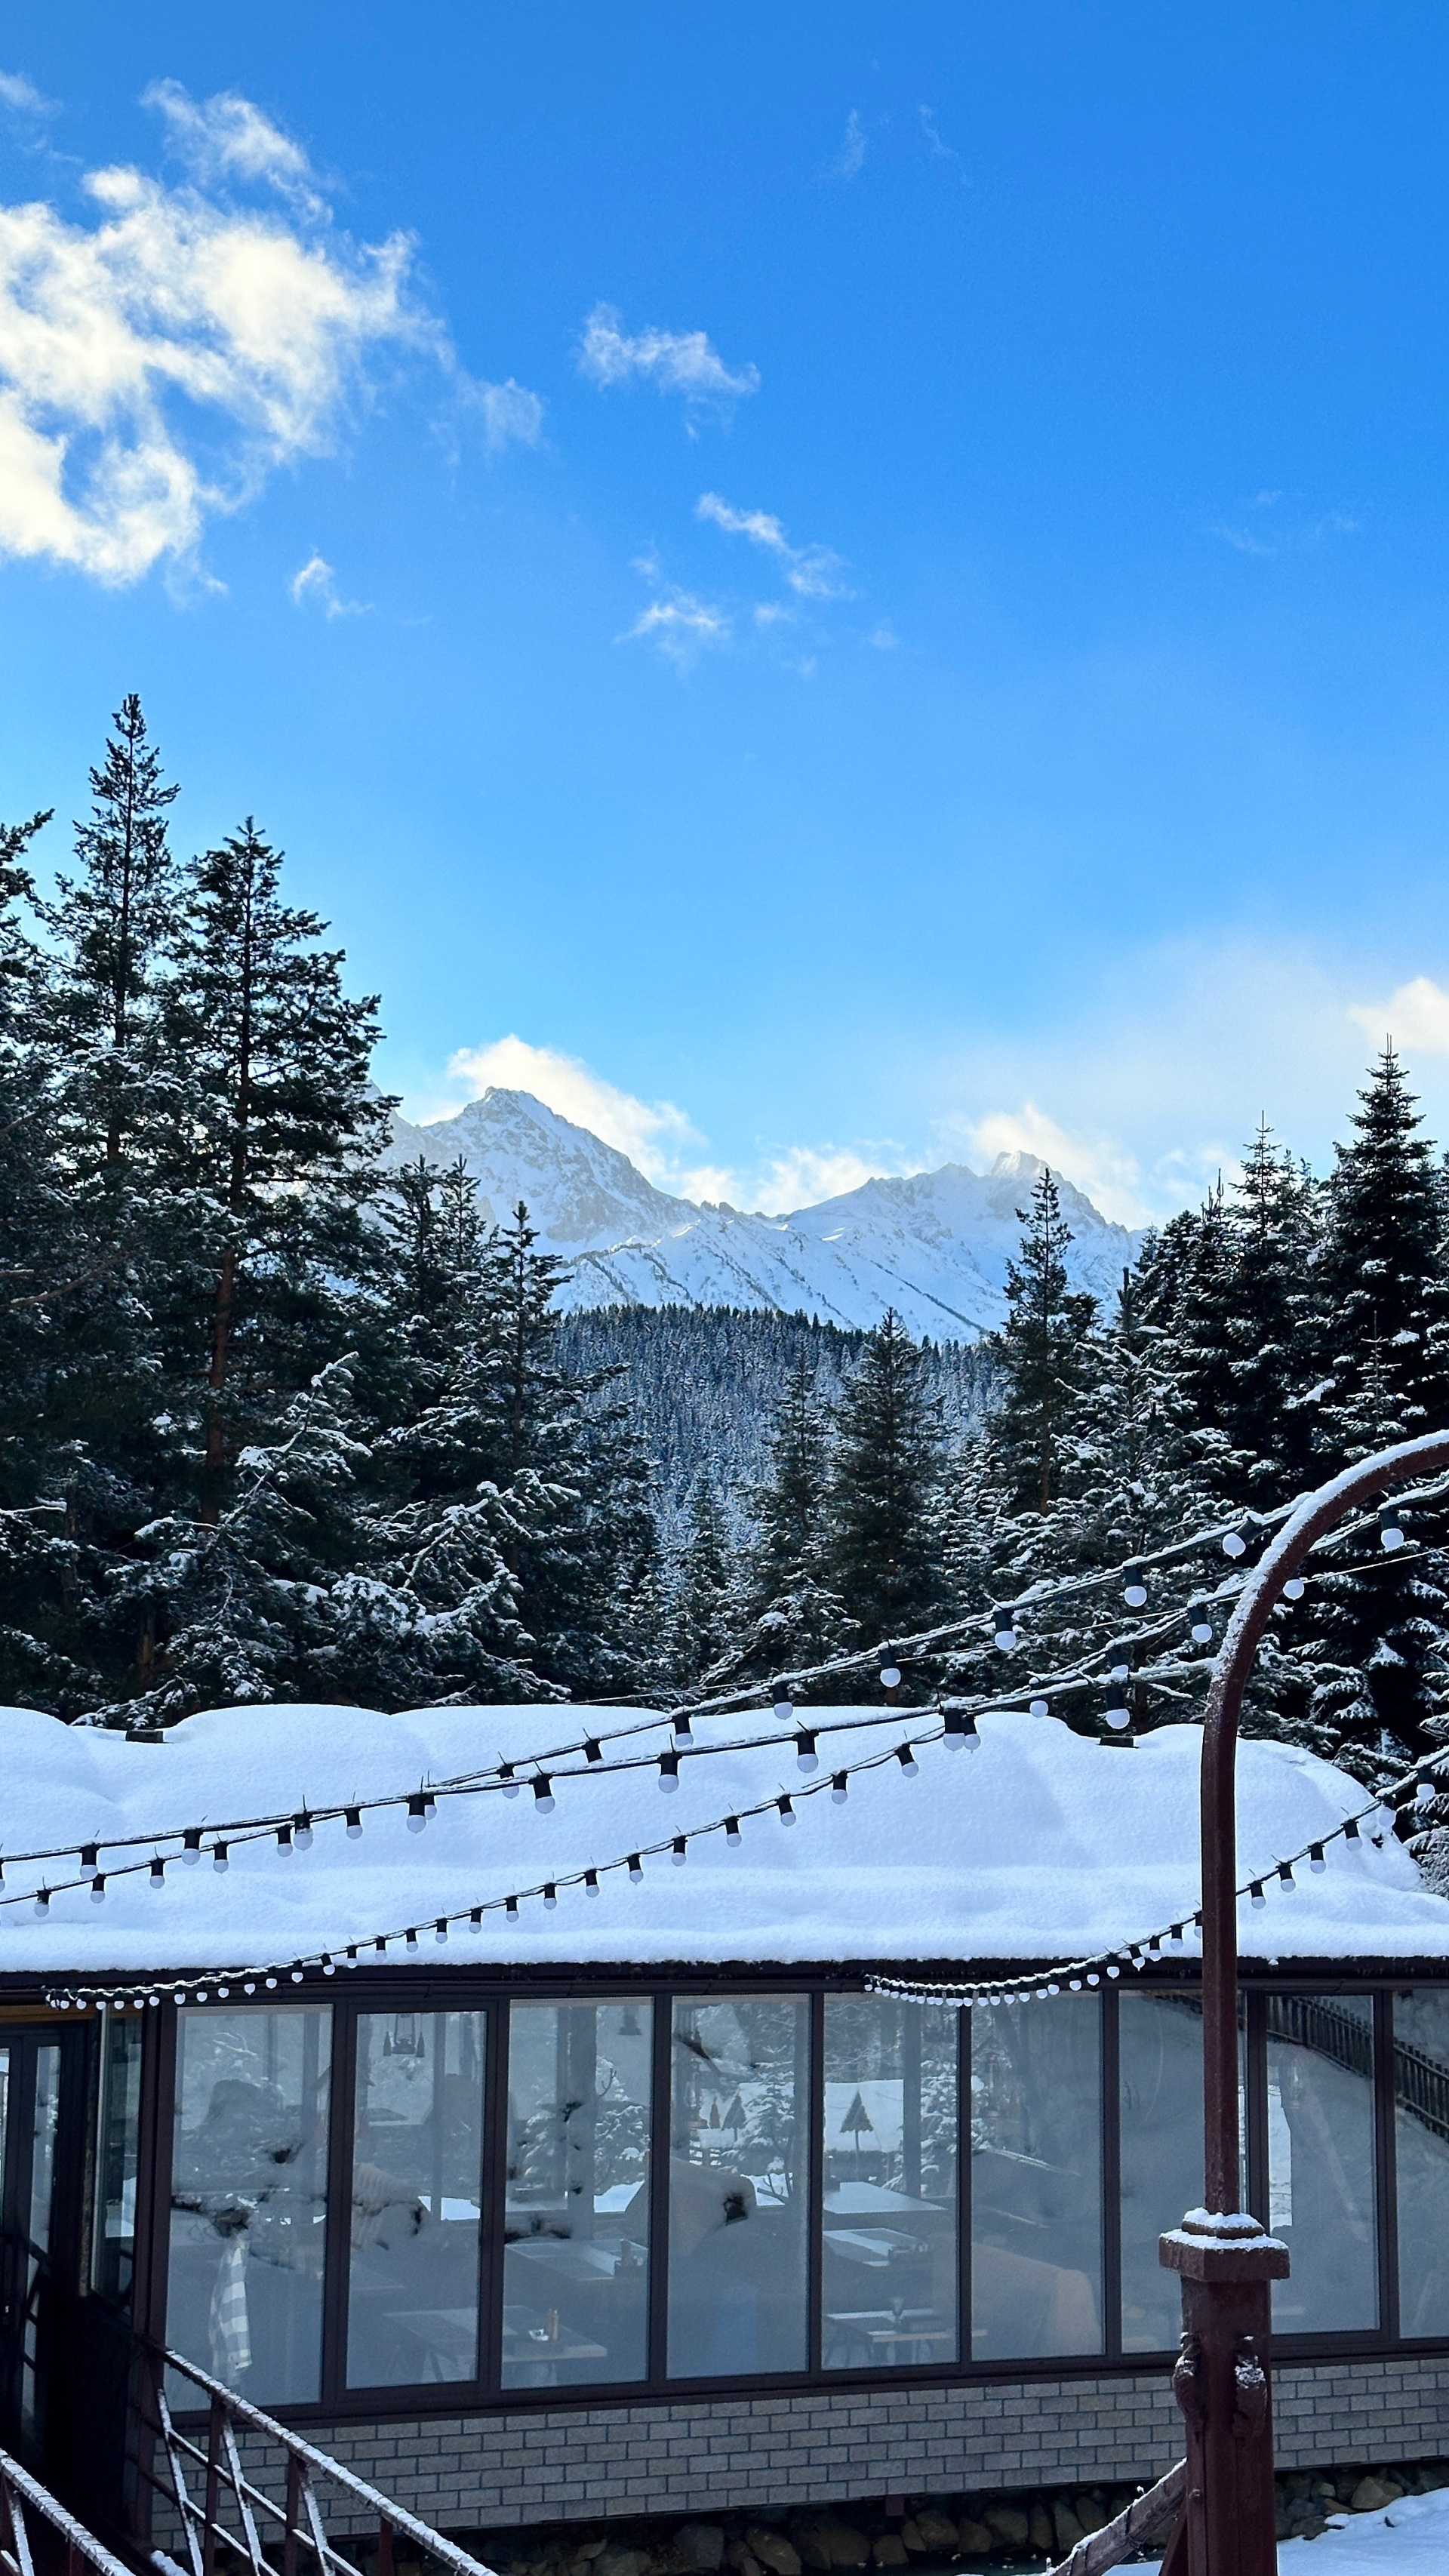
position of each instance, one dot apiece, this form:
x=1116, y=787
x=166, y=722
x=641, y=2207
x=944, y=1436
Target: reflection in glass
x=417, y=2164
x=888, y=2261
x=1421, y=2131
x=1321, y=2197
x=117, y=2142
x=249, y=2198
x=42, y=2144
x=1160, y=2087
x=576, y=2225
x=1036, y=2178
x=737, y=2186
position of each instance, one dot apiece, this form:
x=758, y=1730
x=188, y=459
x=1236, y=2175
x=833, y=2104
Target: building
x=514, y=2110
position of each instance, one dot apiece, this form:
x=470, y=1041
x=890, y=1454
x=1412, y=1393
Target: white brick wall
x=825, y=2446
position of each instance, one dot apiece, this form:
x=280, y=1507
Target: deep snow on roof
x=1039, y=1845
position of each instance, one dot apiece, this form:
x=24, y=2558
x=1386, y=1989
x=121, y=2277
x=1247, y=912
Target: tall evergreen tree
x=1384, y=1269
x=271, y=1156
x=706, y=1614
x=1039, y=1353
x=796, y=1615
x=886, y=1466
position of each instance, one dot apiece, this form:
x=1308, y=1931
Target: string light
x=543, y=1798
x=806, y=1756
x=668, y=1772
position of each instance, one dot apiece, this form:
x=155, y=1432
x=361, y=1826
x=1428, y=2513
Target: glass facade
x=1322, y=2198
x=576, y=2224
x=417, y=2199
x=1421, y=2155
x=739, y=2185
x=249, y=2197
x=118, y=2117
x=712, y=2187
x=888, y=2265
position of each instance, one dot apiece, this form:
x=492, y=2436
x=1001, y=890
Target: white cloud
x=1109, y=1174
x=681, y=625
x=813, y=571
x=1415, y=1016
x=228, y=137
x=677, y=362
x=158, y=363
x=936, y=144
x=851, y=157
x=317, y=582
x=21, y=94
x=884, y=637
x=511, y=415
x=641, y=1129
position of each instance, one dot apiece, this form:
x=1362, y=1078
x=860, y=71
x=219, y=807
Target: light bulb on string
x=417, y=1815
x=1286, y=1878
x=681, y=1727
x=1202, y=1632
x=905, y=1755
x=839, y=1789
x=1134, y=1590
x=354, y=1823
x=593, y=1750
x=591, y=1882
x=550, y=1895
x=191, y=1846
x=475, y=1919
x=302, y=1830
x=158, y=1872
x=284, y=1841
x=1039, y=1708
x=440, y=1928
x=784, y=1707
x=543, y=1798
x=786, y=1809
x=220, y=1856
x=668, y=1772
x=806, y=1756
x=1255, y=1892
x=1316, y=1860
x=958, y=1727
x=507, y=1782
x=1294, y=1588
x=890, y=1680
x=98, y=1889
x=1234, y=1544
x=1003, y=1631
x=90, y=1860
x=679, y=1850
x=636, y=1869
x=1391, y=1533
x=732, y=1833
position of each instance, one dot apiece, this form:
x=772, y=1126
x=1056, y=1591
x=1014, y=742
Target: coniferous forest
x=282, y=1421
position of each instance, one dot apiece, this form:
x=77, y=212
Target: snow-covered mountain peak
x=933, y=1245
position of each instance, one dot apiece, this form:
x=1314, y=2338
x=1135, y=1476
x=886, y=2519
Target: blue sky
x=828, y=588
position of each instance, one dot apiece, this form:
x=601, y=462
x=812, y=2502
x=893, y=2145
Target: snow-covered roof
x=1039, y=1845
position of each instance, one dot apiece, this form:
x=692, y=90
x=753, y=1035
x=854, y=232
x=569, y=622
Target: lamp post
x=1226, y=2260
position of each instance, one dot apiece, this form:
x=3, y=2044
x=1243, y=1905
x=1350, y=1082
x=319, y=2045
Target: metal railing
x=221, y=2511
x=22, y=2496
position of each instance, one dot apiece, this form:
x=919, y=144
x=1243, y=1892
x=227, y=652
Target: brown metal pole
x=1227, y=2261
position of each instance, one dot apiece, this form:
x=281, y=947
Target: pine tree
x=1039, y=1354
x=706, y=1614
x=1273, y=1327
x=797, y=1618
x=886, y=1467
x=271, y=1157
x=1384, y=1269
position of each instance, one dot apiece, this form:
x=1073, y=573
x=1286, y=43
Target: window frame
x=491, y=1992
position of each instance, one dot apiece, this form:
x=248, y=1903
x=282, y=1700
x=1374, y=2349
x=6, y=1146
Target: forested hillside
x=280, y=1420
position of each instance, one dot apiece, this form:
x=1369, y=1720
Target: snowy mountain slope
x=934, y=1246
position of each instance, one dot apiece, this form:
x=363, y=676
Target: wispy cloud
x=158, y=363
x=1260, y=533
x=936, y=145
x=681, y=625
x=510, y=414
x=811, y=571
x=850, y=159
x=20, y=94
x=650, y=1132
x=316, y=586
x=675, y=362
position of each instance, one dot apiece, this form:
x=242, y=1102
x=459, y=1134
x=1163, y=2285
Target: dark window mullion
x=340, y=2127
x=1385, y=2165
x=495, y=2198
x=815, y=2167
x=1111, y=2175
x=963, y=2193
x=660, y=2142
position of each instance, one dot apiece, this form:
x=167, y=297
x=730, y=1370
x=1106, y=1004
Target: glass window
x=576, y=2226
x=1321, y=2197
x=1036, y=2178
x=1421, y=2133
x=42, y=2143
x=1160, y=2091
x=738, y=2186
x=249, y=2198
x=888, y=2258
x=417, y=2165
x=117, y=2127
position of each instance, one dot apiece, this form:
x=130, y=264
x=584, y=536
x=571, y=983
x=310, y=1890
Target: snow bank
x=1410, y=2538
x=1040, y=1845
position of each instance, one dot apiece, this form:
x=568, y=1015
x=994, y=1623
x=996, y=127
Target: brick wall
x=700, y=2457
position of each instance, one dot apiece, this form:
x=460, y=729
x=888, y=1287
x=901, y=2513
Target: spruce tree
x=1039, y=1356
x=1384, y=1270
x=271, y=1156
x=706, y=1615
x=796, y=1615
x=885, y=1471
